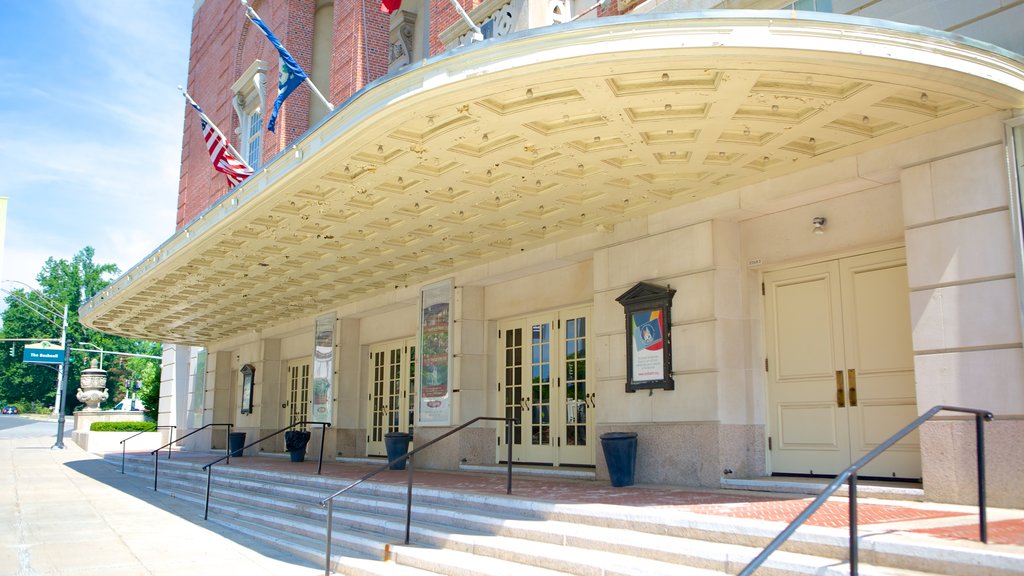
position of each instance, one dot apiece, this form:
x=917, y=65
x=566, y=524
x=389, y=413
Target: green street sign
x=43, y=353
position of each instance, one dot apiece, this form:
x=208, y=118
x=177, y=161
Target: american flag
x=220, y=154
x=390, y=6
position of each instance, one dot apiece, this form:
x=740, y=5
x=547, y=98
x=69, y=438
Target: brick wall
x=215, y=30
x=225, y=44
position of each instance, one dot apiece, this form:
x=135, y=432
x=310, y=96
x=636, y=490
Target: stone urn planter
x=93, y=387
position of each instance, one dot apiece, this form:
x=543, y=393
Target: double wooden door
x=840, y=366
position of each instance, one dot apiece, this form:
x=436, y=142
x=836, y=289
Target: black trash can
x=620, y=455
x=397, y=444
x=295, y=442
x=236, y=440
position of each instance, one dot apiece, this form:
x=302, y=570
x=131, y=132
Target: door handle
x=840, y=392
x=851, y=376
x=591, y=398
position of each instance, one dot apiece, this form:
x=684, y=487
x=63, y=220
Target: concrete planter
x=100, y=442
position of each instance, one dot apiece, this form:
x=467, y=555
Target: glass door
x=543, y=384
x=298, y=391
x=391, y=386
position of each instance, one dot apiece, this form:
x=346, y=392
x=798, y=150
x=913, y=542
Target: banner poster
x=323, y=369
x=435, y=392
x=648, y=345
x=199, y=389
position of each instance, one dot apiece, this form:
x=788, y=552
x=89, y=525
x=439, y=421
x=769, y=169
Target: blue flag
x=291, y=74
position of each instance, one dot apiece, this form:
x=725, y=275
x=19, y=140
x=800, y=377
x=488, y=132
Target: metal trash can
x=397, y=444
x=295, y=442
x=620, y=455
x=236, y=440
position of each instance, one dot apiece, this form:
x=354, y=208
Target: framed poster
x=435, y=391
x=648, y=311
x=323, y=370
x=199, y=389
x=248, y=381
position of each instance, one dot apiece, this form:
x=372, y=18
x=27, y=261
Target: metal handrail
x=851, y=474
x=209, y=467
x=329, y=501
x=124, y=442
x=156, y=457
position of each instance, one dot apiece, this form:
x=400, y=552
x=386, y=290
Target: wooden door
x=840, y=366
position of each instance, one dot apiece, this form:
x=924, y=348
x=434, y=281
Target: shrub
x=123, y=427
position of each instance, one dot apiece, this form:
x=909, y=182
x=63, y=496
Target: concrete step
x=582, y=540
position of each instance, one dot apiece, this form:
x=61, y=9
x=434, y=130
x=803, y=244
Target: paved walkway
x=66, y=512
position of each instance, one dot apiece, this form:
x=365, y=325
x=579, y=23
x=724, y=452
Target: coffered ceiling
x=507, y=146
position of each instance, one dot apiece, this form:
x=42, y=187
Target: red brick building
x=763, y=240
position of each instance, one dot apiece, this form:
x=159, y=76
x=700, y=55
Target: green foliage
x=150, y=396
x=122, y=427
x=38, y=314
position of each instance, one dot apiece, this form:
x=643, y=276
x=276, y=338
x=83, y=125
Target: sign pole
x=63, y=383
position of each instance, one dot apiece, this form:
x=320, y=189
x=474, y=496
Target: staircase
x=466, y=534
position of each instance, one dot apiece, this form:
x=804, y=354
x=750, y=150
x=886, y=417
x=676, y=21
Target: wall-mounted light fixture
x=819, y=225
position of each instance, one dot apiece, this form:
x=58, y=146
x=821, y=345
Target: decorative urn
x=93, y=387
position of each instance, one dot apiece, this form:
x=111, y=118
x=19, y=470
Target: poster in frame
x=248, y=381
x=434, y=390
x=323, y=370
x=198, y=404
x=648, y=310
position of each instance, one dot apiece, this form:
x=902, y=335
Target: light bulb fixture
x=819, y=225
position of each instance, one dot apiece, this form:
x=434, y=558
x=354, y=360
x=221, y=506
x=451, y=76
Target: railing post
x=156, y=467
x=408, y=500
x=209, y=474
x=854, y=547
x=171, y=443
x=122, y=456
x=979, y=438
x=330, y=530
x=508, y=441
x=227, y=441
x=323, y=437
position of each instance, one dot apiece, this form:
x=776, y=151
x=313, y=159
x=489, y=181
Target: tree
x=37, y=314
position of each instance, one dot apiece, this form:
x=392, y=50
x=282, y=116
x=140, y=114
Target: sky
x=91, y=123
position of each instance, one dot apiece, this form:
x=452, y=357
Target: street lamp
x=98, y=349
x=62, y=372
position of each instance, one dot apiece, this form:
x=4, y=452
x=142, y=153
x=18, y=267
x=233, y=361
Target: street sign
x=43, y=353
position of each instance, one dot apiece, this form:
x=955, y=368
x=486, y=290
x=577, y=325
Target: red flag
x=390, y=6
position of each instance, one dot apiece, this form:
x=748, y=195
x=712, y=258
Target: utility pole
x=63, y=382
x=49, y=312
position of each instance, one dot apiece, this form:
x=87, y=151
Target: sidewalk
x=66, y=512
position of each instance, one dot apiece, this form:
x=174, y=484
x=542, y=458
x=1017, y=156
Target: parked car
x=132, y=404
x=9, y=410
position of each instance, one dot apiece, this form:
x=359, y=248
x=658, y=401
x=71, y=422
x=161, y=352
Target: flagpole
x=477, y=34
x=199, y=108
x=250, y=14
